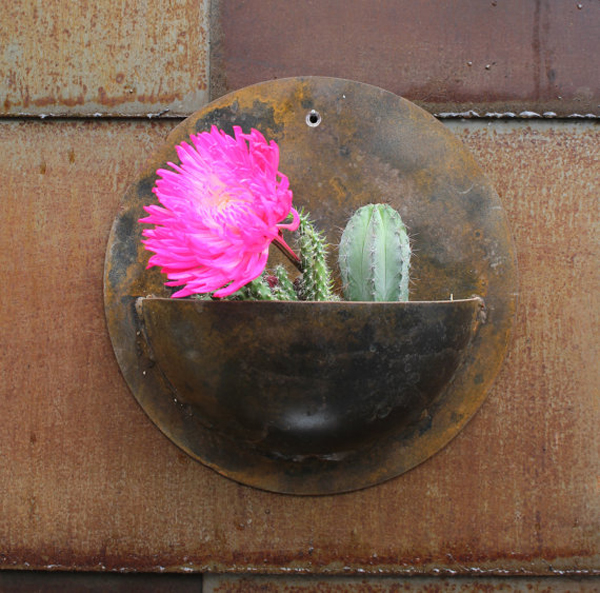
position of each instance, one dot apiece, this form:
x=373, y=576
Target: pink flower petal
x=221, y=207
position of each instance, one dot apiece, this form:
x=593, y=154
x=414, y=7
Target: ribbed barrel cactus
x=374, y=255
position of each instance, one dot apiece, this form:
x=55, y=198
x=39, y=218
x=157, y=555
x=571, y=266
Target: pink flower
x=222, y=207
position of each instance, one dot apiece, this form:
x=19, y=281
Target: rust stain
x=104, y=58
x=52, y=100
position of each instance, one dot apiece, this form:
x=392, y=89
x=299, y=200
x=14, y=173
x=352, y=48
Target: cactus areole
x=374, y=255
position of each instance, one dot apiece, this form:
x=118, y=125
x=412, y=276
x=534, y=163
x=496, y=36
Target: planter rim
x=473, y=299
x=329, y=304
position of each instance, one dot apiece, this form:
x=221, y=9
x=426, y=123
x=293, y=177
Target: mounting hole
x=313, y=118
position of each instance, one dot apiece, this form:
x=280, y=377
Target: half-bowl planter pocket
x=292, y=380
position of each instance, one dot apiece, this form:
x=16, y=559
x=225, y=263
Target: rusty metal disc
x=342, y=144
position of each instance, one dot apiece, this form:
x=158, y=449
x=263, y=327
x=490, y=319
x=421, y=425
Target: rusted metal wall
x=234, y=584
x=511, y=57
x=37, y=582
x=139, y=59
x=71, y=582
x=59, y=57
x=88, y=483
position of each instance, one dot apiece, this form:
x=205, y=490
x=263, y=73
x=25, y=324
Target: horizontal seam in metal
x=457, y=117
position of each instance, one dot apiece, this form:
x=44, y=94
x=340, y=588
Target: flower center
x=220, y=200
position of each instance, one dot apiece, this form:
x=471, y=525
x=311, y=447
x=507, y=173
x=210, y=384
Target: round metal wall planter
x=321, y=398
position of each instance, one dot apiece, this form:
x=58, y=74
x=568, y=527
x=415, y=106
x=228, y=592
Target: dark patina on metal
x=295, y=379
x=317, y=398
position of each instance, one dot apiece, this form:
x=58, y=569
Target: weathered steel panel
x=86, y=481
x=73, y=582
x=510, y=56
x=277, y=584
x=103, y=58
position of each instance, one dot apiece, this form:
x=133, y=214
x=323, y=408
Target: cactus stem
x=374, y=255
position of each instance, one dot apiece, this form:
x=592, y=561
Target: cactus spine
x=374, y=255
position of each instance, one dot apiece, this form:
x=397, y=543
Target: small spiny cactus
x=316, y=283
x=374, y=255
x=283, y=290
x=257, y=290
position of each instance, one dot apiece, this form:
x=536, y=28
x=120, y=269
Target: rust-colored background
x=62, y=57
x=88, y=483
x=511, y=57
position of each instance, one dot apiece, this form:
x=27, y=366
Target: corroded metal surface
x=28, y=582
x=86, y=484
x=306, y=380
x=236, y=584
x=507, y=57
x=103, y=58
x=74, y=582
x=370, y=146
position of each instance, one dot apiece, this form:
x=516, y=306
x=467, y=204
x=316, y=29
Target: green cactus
x=374, y=255
x=257, y=290
x=316, y=283
x=284, y=288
